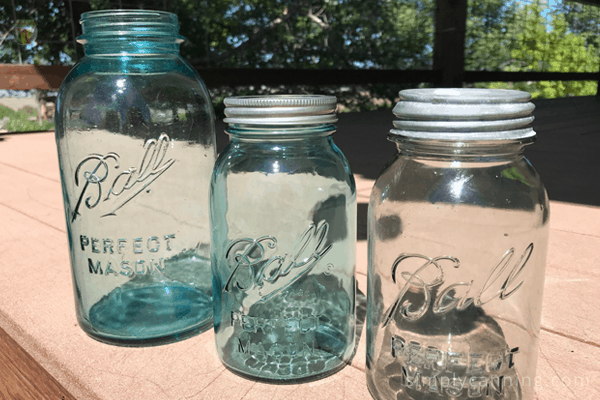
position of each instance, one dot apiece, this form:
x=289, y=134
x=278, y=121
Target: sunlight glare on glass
x=457, y=186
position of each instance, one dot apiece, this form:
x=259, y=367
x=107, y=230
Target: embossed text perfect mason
x=283, y=217
x=136, y=146
x=458, y=235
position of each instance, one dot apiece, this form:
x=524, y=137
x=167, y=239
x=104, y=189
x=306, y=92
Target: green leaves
x=557, y=49
x=514, y=174
x=307, y=33
x=491, y=28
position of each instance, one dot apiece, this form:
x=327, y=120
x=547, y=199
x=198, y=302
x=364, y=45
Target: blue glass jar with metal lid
x=283, y=217
x=136, y=147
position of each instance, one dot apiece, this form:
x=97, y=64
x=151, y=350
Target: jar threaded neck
x=281, y=110
x=463, y=115
x=137, y=32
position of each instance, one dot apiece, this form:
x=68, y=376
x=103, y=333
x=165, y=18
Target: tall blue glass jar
x=136, y=146
x=283, y=217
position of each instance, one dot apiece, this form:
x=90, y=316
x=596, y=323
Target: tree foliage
x=583, y=20
x=554, y=50
x=54, y=44
x=492, y=27
x=307, y=33
x=340, y=34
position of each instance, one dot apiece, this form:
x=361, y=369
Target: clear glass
x=136, y=146
x=458, y=235
x=283, y=216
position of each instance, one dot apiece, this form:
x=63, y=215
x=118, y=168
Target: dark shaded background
x=566, y=153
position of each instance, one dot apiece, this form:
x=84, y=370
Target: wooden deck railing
x=25, y=77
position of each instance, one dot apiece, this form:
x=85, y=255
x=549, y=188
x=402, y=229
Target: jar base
x=305, y=365
x=148, y=316
x=289, y=381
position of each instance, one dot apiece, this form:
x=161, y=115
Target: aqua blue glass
x=283, y=217
x=136, y=147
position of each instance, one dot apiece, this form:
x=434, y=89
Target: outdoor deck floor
x=36, y=296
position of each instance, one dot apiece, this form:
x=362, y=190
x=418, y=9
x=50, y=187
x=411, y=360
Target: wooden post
x=449, y=43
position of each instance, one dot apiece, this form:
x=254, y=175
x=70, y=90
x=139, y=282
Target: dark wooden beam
x=499, y=76
x=589, y=2
x=26, y=77
x=21, y=377
x=449, y=41
x=313, y=77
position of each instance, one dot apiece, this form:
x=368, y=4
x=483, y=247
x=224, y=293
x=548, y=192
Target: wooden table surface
x=45, y=355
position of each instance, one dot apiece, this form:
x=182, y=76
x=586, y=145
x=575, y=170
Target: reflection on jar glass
x=283, y=214
x=458, y=233
x=136, y=146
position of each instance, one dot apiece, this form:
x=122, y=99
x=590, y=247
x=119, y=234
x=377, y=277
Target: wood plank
x=215, y=77
x=42, y=321
x=571, y=290
x=349, y=383
x=449, y=41
x=117, y=371
x=49, y=77
x=186, y=369
x=32, y=195
x=575, y=218
x=565, y=159
x=32, y=253
x=34, y=153
x=502, y=76
x=26, y=77
x=22, y=378
x=567, y=369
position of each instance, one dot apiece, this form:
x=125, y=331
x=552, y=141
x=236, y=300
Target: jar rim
x=159, y=16
x=465, y=96
x=107, y=25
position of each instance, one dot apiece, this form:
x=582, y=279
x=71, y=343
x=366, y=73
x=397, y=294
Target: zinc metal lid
x=280, y=110
x=463, y=114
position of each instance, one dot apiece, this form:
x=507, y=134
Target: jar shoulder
x=122, y=98
x=271, y=158
x=505, y=184
x=90, y=75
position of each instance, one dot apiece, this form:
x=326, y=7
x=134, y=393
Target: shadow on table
x=566, y=153
x=361, y=315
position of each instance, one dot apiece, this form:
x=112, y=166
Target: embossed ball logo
x=252, y=269
x=502, y=282
x=94, y=170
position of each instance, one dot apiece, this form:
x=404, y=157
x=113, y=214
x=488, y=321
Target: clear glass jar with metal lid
x=283, y=218
x=458, y=233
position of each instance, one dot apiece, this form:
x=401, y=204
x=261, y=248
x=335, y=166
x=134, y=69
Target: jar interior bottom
x=293, y=364
x=151, y=314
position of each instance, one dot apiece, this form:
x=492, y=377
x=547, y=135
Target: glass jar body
x=457, y=249
x=283, y=216
x=136, y=146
